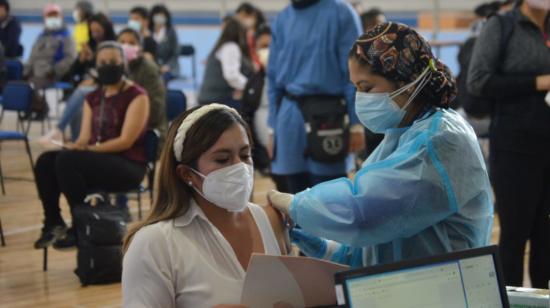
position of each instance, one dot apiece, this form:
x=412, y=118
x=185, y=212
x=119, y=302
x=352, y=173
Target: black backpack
x=475, y=106
x=100, y=231
x=252, y=94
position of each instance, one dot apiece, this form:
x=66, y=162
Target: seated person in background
x=109, y=153
x=251, y=18
x=51, y=56
x=81, y=15
x=139, y=21
x=194, y=247
x=146, y=73
x=10, y=31
x=226, y=67
x=83, y=75
x=100, y=29
x=168, y=49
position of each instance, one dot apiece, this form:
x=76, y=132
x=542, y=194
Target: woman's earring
x=190, y=184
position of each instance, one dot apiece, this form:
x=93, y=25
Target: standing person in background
x=226, y=67
x=517, y=79
x=83, y=75
x=160, y=24
x=139, y=21
x=305, y=64
x=10, y=31
x=369, y=20
x=81, y=15
x=51, y=57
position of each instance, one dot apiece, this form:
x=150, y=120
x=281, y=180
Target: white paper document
x=289, y=282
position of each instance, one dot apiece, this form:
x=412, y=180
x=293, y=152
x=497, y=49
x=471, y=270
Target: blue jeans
x=73, y=111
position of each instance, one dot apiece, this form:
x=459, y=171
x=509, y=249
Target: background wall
x=220, y=7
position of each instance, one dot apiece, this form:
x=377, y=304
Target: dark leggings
x=522, y=190
x=76, y=173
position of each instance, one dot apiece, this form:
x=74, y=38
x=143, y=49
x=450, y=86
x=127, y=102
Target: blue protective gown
x=308, y=55
x=423, y=191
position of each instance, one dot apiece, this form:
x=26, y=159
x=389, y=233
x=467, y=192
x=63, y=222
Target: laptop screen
x=468, y=282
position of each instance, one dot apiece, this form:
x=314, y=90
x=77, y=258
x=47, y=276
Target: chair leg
x=26, y=131
x=45, y=260
x=139, y=204
x=2, y=234
x=151, y=183
x=2, y=181
x=28, y=148
x=194, y=68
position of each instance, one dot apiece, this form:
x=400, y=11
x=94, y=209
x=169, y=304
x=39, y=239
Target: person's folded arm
x=69, y=55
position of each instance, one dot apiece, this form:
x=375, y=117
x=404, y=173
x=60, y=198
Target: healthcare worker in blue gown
x=308, y=57
x=425, y=189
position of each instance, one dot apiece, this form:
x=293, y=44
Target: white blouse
x=186, y=262
x=230, y=56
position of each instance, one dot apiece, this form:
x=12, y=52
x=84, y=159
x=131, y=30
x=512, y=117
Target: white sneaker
x=55, y=135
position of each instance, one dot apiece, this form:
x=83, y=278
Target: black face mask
x=302, y=4
x=110, y=74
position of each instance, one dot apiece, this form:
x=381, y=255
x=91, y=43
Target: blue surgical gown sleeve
x=320, y=248
x=435, y=171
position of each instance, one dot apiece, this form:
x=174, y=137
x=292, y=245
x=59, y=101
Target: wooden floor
x=22, y=281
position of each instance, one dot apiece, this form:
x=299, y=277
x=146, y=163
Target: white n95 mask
x=229, y=188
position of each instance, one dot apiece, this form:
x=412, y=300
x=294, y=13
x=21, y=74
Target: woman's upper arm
x=279, y=228
x=147, y=271
x=136, y=118
x=485, y=56
x=86, y=125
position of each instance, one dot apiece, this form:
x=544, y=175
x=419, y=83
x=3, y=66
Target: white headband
x=190, y=120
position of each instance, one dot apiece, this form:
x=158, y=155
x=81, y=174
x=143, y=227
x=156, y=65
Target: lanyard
x=102, y=111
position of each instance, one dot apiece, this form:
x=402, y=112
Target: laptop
x=464, y=279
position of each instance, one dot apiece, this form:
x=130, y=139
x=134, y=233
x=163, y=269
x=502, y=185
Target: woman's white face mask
x=229, y=188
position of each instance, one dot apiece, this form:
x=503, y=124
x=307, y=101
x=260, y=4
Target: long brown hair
x=232, y=31
x=173, y=195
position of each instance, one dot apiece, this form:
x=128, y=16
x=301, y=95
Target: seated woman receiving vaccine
x=193, y=249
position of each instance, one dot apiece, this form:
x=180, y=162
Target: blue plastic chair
x=18, y=96
x=14, y=70
x=176, y=103
x=188, y=51
x=14, y=136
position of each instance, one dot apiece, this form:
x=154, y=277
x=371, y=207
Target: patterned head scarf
x=399, y=53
